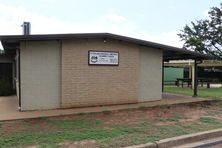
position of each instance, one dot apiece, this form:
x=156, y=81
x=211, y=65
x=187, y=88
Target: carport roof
x=11, y=42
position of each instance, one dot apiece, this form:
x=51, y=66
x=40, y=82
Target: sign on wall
x=103, y=58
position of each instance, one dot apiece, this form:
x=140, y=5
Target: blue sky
x=153, y=20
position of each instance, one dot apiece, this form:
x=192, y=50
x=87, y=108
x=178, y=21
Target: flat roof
x=188, y=63
x=11, y=42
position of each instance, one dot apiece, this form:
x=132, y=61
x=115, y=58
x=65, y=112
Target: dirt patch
x=111, y=118
x=193, y=114
x=30, y=125
x=80, y=144
x=189, y=112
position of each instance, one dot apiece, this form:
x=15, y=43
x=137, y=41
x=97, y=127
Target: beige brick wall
x=54, y=75
x=88, y=85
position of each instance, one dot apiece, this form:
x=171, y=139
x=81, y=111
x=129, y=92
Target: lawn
x=214, y=93
x=111, y=129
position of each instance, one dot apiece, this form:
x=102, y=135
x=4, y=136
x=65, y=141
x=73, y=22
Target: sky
x=153, y=20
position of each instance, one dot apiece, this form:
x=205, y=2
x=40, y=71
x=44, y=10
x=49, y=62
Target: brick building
x=78, y=70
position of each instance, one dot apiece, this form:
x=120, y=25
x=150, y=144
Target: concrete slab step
x=209, y=143
x=195, y=140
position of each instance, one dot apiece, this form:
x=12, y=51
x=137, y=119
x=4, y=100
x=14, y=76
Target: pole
x=195, y=79
x=162, y=75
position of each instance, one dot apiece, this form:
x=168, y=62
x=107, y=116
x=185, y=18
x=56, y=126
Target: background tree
x=205, y=36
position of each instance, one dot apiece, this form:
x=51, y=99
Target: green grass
x=194, y=127
x=104, y=130
x=75, y=124
x=50, y=138
x=214, y=93
x=114, y=136
x=148, y=132
x=211, y=121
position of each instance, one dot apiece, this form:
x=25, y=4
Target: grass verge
x=214, y=93
x=115, y=129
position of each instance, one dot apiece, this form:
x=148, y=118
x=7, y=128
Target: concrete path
x=209, y=143
x=206, y=139
x=9, y=107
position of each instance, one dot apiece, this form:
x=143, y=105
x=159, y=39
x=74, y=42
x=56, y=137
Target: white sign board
x=103, y=58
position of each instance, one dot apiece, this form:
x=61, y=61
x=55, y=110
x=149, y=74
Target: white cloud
x=167, y=38
x=172, y=7
x=47, y=1
x=12, y=17
x=116, y=18
x=205, y=13
x=170, y=38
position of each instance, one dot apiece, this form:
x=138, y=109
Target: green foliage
x=205, y=36
x=5, y=87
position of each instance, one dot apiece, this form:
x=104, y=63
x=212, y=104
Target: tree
x=205, y=36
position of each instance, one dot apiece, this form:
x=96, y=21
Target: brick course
x=90, y=85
